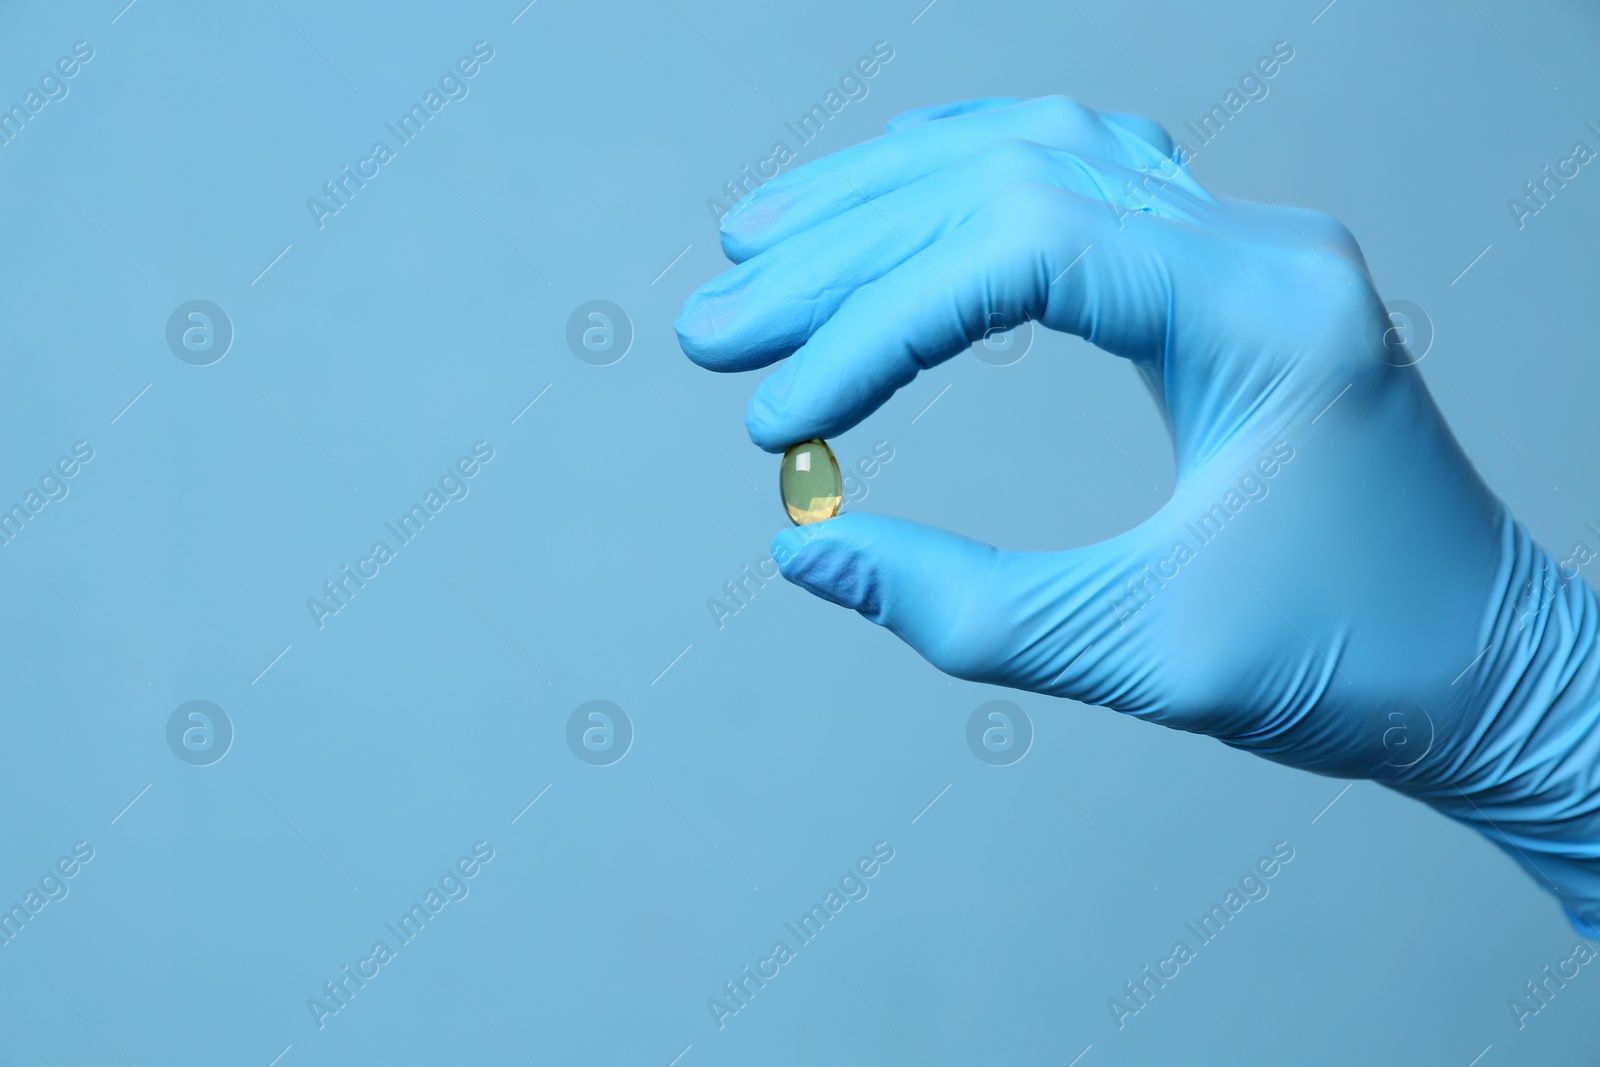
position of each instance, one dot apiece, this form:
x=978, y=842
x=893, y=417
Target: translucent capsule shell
x=810, y=483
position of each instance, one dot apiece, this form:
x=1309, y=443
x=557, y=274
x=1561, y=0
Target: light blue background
x=379, y=748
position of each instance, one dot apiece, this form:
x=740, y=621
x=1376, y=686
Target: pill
x=810, y=483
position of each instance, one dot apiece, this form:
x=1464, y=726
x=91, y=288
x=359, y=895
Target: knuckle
x=1160, y=138
x=1018, y=159
x=1327, y=231
x=1344, y=312
x=1143, y=127
x=1063, y=114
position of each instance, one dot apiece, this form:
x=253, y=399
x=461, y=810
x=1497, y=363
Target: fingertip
x=899, y=574
x=773, y=426
x=817, y=392
x=822, y=558
x=721, y=330
x=800, y=547
x=736, y=245
x=789, y=553
x=765, y=417
x=787, y=545
x=745, y=230
x=696, y=327
x=769, y=440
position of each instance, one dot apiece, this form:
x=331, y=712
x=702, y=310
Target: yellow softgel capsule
x=810, y=483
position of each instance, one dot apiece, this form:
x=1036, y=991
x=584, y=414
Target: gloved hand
x=1331, y=585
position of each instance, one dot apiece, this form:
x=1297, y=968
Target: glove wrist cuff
x=1530, y=778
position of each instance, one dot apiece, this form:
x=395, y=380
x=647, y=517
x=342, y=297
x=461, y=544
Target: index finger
x=1018, y=259
x=802, y=198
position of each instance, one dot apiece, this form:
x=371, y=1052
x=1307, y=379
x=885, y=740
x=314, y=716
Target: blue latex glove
x=1332, y=587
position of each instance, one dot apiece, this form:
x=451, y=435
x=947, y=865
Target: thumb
x=972, y=610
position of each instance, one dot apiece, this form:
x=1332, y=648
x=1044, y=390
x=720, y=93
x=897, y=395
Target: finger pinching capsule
x=810, y=483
